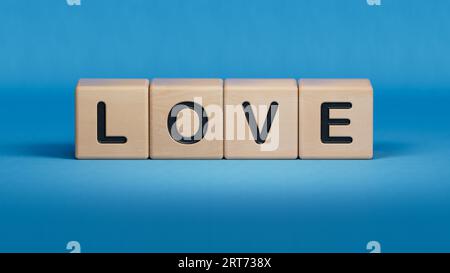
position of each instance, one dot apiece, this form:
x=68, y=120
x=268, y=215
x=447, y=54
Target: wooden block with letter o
x=112, y=119
x=335, y=119
x=261, y=118
x=186, y=119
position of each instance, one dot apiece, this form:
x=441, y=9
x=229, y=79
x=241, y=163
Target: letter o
x=172, y=119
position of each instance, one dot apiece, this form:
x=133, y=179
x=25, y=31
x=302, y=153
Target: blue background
x=401, y=198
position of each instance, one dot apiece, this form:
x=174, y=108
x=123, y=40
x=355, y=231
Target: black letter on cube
x=326, y=122
x=172, y=120
x=102, y=138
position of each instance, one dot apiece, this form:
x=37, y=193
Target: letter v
x=260, y=137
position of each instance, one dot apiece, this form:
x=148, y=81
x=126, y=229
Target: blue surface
x=401, y=198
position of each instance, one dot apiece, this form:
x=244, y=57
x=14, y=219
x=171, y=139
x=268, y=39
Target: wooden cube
x=112, y=119
x=335, y=119
x=261, y=118
x=186, y=119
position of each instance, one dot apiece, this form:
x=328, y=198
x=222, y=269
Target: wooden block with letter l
x=261, y=118
x=112, y=119
x=335, y=119
x=186, y=119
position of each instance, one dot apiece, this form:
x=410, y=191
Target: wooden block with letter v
x=261, y=118
x=186, y=119
x=112, y=119
x=335, y=119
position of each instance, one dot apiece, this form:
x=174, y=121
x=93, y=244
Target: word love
x=231, y=118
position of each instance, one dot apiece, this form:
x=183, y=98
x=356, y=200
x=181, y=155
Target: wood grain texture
x=314, y=92
x=126, y=102
x=282, y=138
x=165, y=94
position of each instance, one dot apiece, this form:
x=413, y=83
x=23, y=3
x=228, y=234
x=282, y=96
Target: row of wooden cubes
x=309, y=119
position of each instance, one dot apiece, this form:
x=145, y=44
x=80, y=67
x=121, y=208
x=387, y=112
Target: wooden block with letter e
x=335, y=119
x=261, y=118
x=112, y=119
x=186, y=119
